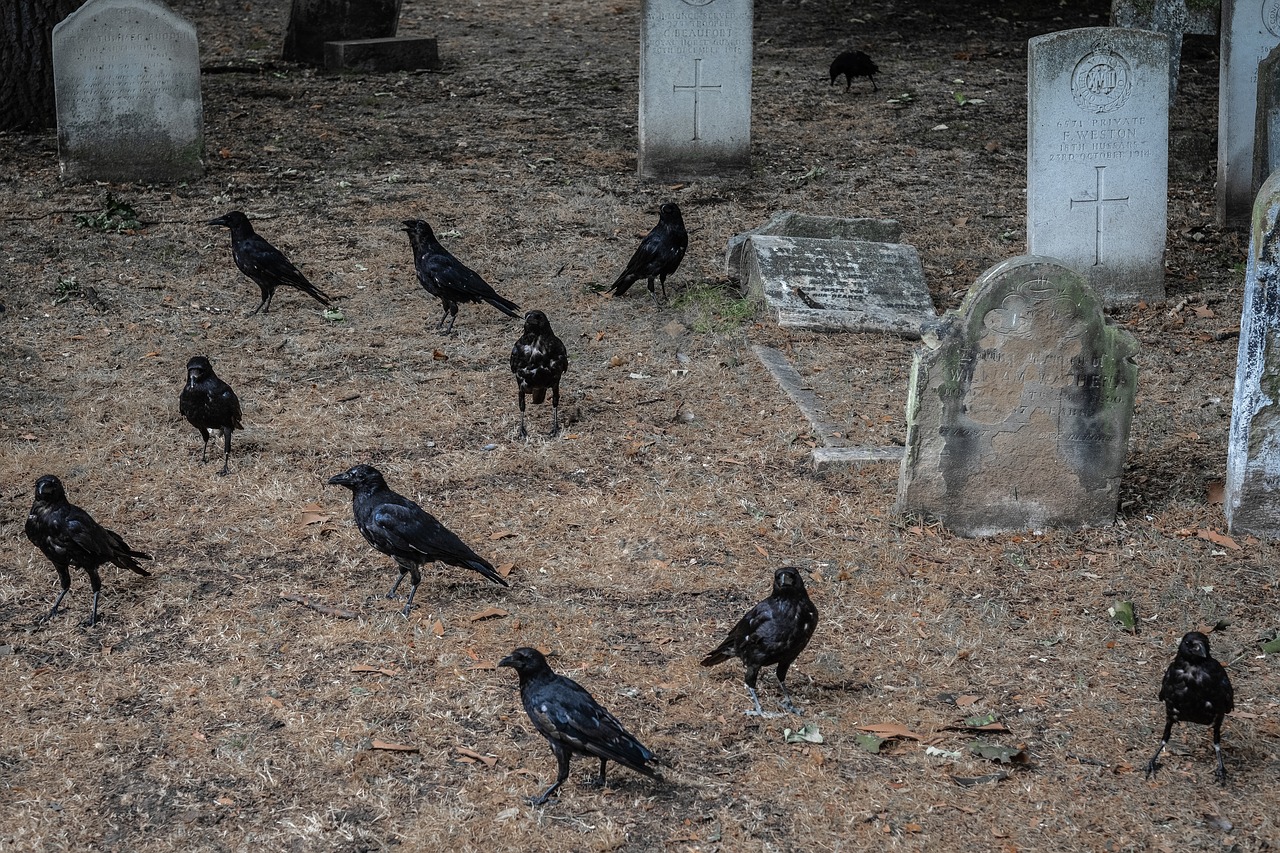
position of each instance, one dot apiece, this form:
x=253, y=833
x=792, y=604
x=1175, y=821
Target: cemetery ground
x=212, y=710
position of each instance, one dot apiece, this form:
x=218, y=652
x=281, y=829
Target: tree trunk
x=314, y=22
x=26, y=61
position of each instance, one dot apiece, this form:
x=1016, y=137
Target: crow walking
x=263, y=262
x=404, y=531
x=572, y=721
x=1195, y=690
x=69, y=536
x=774, y=631
x=209, y=403
x=447, y=278
x=658, y=255
x=538, y=360
x=853, y=63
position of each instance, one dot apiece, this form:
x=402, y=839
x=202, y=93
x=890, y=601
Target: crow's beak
x=409, y=224
x=221, y=220
x=342, y=479
x=507, y=661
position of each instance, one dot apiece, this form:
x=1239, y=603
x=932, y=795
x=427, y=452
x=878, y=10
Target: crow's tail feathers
x=315, y=293
x=506, y=306
x=720, y=655
x=487, y=570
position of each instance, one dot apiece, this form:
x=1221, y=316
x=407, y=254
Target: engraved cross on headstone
x=698, y=86
x=1098, y=200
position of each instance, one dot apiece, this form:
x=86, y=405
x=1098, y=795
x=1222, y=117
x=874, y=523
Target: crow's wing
x=566, y=713
x=261, y=261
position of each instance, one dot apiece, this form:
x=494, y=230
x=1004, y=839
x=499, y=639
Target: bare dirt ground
x=208, y=712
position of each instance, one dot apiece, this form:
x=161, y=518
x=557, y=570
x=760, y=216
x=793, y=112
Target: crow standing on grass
x=538, y=360
x=263, y=262
x=774, y=631
x=1195, y=690
x=69, y=536
x=572, y=721
x=209, y=403
x=447, y=278
x=658, y=255
x=853, y=63
x=404, y=531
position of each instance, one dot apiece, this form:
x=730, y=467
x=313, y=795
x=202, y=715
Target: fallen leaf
x=807, y=733
x=225, y=801
x=489, y=613
x=1214, y=492
x=969, y=782
x=364, y=667
x=501, y=534
x=314, y=518
x=437, y=628
x=1122, y=614
x=393, y=747
x=437, y=355
x=319, y=607
x=966, y=700
x=1217, y=538
x=762, y=552
x=486, y=760
x=505, y=569
x=1204, y=311
x=869, y=742
x=1002, y=754
x=1271, y=647
x=890, y=730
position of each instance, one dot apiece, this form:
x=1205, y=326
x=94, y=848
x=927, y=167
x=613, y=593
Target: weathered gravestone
x=695, y=88
x=1019, y=418
x=1250, y=29
x=1266, y=135
x=1252, y=495
x=382, y=55
x=126, y=77
x=314, y=22
x=788, y=223
x=1174, y=18
x=1098, y=157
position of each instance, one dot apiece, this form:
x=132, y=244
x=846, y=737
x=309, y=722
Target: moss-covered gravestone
x=1018, y=417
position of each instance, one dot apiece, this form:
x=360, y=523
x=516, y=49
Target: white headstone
x=1098, y=157
x=1266, y=137
x=1250, y=29
x=695, y=88
x=127, y=82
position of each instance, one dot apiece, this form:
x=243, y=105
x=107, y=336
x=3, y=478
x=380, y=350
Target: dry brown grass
x=207, y=712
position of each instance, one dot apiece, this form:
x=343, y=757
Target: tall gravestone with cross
x=1098, y=157
x=1250, y=29
x=695, y=88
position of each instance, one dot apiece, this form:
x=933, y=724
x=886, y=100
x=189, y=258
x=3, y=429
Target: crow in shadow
x=404, y=531
x=69, y=536
x=572, y=721
x=853, y=63
x=1195, y=690
x=449, y=279
x=263, y=262
x=774, y=631
x=658, y=255
x=538, y=360
x=209, y=403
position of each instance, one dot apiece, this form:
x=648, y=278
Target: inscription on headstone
x=127, y=82
x=1098, y=157
x=788, y=223
x=1019, y=418
x=1250, y=29
x=695, y=88
x=1266, y=137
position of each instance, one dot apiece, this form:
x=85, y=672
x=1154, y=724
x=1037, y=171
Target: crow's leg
x=1221, y=772
x=226, y=449
x=95, y=583
x=266, y=304
x=1164, y=739
x=753, y=672
x=652, y=293
x=522, y=432
x=391, y=593
x=266, y=298
x=662, y=280
x=873, y=83
x=64, y=579
x=600, y=782
x=452, y=309
x=786, y=694
x=562, y=760
x=415, y=578
x=555, y=409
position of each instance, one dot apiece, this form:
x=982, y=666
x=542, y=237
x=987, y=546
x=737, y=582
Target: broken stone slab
x=788, y=223
x=839, y=285
x=382, y=55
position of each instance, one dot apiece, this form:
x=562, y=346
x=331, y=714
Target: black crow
x=209, y=403
x=404, y=531
x=263, y=262
x=1195, y=690
x=572, y=721
x=538, y=360
x=774, y=631
x=659, y=253
x=447, y=278
x=853, y=63
x=69, y=536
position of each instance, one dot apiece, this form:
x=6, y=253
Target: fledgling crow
x=853, y=63
x=263, y=262
x=209, y=403
x=658, y=255
x=1195, y=690
x=69, y=536
x=538, y=360
x=572, y=721
x=404, y=531
x=449, y=279
x=774, y=631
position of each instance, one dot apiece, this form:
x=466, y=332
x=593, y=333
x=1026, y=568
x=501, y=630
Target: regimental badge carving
x=697, y=2
x=1102, y=81
x=1271, y=16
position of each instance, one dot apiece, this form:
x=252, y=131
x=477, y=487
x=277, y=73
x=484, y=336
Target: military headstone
x=1252, y=496
x=1018, y=418
x=1266, y=137
x=1250, y=29
x=126, y=78
x=695, y=88
x=1098, y=157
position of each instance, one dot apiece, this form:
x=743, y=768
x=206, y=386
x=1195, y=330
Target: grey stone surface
x=314, y=23
x=695, y=88
x=1252, y=495
x=1250, y=30
x=1098, y=157
x=1174, y=18
x=127, y=81
x=788, y=223
x=840, y=285
x=1018, y=418
x=1266, y=135
x=381, y=55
